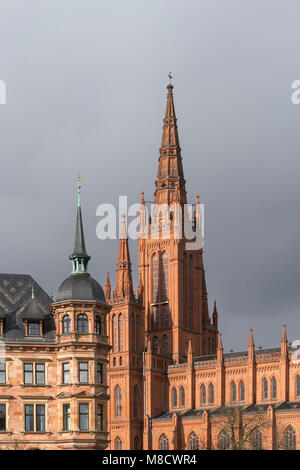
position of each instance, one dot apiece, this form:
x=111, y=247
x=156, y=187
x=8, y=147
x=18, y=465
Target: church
x=118, y=368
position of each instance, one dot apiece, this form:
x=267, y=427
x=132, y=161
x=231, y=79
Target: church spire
x=124, y=277
x=170, y=183
x=79, y=257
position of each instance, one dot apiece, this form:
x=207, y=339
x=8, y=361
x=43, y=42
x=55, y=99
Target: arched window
x=98, y=325
x=66, y=324
x=274, y=388
x=135, y=402
x=174, y=396
x=136, y=443
x=82, y=323
x=193, y=442
x=290, y=438
x=265, y=391
x=211, y=393
x=118, y=444
x=298, y=386
x=184, y=285
x=256, y=439
x=190, y=292
x=155, y=277
x=242, y=390
x=118, y=400
x=203, y=394
x=182, y=396
x=165, y=346
x=224, y=441
x=165, y=315
x=155, y=345
x=164, y=443
x=136, y=333
x=120, y=331
x=114, y=333
x=164, y=287
x=233, y=391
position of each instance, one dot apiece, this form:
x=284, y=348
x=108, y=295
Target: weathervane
x=170, y=78
x=79, y=179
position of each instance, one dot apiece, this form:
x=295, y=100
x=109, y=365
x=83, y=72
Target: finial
x=170, y=86
x=123, y=226
x=32, y=291
x=251, y=340
x=142, y=198
x=197, y=199
x=284, y=338
x=79, y=179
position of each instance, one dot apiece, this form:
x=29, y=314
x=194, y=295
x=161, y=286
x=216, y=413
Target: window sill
x=5, y=385
x=35, y=385
x=6, y=432
x=36, y=432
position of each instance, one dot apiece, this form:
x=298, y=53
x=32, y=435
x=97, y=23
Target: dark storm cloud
x=86, y=92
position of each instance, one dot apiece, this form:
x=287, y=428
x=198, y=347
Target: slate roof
x=16, y=302
x=80, y=287
x=213, y=357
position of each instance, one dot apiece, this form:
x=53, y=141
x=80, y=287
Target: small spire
x=284, y=337
x=79, y=257
x=124, y=286
x=284, y=341
x=220, y=348
x=251, y=346
x=251, y=340
x=190, y=352
x=197, y=199
x=215, y=315
x=140, y=288
x=79, y=179
x=123, y=233
x=142, y=198
x=107, y=287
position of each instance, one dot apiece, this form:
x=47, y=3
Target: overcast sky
x=86, y=93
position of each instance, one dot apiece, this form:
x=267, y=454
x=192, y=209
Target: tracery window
x=118, y=400
x=193, y=442
x=290, y=438
x=114, y=332
x=120, y=331
x=164, y=443
x=203, y=394
x=211, y=393
x=224, y=441
x=256, y=439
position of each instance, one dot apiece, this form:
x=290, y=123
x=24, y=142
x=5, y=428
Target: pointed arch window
x=233, y=391
x=114, y=332
x=165, y=346
x=190, y=292
x=290, y=438
x=265, y=391
x=174, y=396
x=155, y=277
x=211, y=394
x=120, y=332
x=82, y=323
x=298, y=386
x=203, y=394
x=274, y=388
x=137, y=333
x=164, y=443
x=256, y=439
x=184, y=284
x=165, y=277
x=135, y=401
x=182, y=396
x=165, y=315
x=224, y=441
x=118, y=444
x=193, y=442
x=242, y=390
x=66, y=324
x=118, y=400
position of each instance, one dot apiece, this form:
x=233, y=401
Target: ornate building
x=139, y=370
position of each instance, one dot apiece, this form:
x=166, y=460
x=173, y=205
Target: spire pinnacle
x=170, y=177
x=124, y=287
x=284, y=341
x=220, y=348
x=251, y=340
x=79, y=257
x=107, y=287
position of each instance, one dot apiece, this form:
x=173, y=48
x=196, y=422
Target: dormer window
x=34, y=328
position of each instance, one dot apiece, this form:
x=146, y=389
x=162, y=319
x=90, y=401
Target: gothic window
x=298, y=386
x=120, y=332
x=193, y=442
x=118, y=401
x=224, y=441
x=174, y=396
x=165, y=315
x=182, y=396
x=203, y=394
x=265, y=391
x=233, y=391
x=82, y=323
x=114, y=332
x=274, y=388
x=242, y=390
x=66, y=324
x=211, y=393
x=256, y=439
x=155, y=277
x=155, y=316
x=135, y=402
x=136, y=333
x=164, y=443
x=290, y=438
x=190, y=292
x=97, y=325
x=184, y=292
x=164, y=276
x=155, y=345
x=165, y=347
x=118, y=444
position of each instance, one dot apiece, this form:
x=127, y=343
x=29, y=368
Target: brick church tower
x=168, y=322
